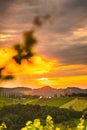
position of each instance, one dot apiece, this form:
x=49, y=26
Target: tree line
x=15, y=116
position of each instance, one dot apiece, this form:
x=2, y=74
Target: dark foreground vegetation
x=15, y=116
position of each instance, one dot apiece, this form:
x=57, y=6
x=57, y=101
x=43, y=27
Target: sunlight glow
x=42, y=79
x=41, y=72
x=80, y=32
x=4, y=36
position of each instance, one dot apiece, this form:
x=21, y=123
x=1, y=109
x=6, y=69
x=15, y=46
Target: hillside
x=62, y=102
x=18, y=91
x=78, y=104
x=44, y=91
x=49, y=102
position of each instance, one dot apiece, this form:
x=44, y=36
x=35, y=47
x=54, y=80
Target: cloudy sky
x=61, y=52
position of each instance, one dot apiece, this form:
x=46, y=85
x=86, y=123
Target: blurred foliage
x=12, y=116
x=25, y=50
x=15, y=116
x=36, y=125
x=39, y=20
x=3, y=126
x=49, y=125
x=7, y=77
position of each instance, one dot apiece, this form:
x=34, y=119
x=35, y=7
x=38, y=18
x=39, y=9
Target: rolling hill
x=44, y=91
x=76, y=104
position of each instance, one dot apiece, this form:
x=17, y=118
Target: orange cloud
x=62, y=82
x=4, y=37
x=80, y=32
x=56, y=82
x=38, y=72
x=38, y=65
x=5, y=56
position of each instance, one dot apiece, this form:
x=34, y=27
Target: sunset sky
x=60, y=58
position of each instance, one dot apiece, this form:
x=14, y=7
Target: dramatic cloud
x=60, y=29
x=75, y=54
x=77, y=4
x=72, y=54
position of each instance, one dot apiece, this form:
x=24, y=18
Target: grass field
x=77, y=104
x=44, y=101
x=54, y=101
x=6, y=101
x=63, y=102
